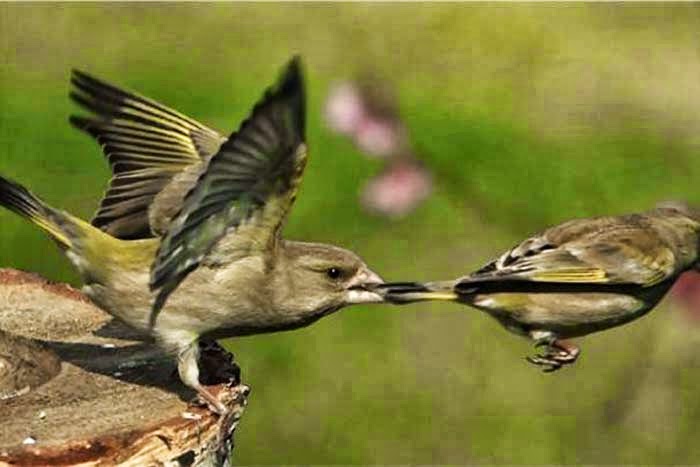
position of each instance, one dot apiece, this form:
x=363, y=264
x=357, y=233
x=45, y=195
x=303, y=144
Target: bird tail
x=18, y=199
x=90, y=250
x=409, y=292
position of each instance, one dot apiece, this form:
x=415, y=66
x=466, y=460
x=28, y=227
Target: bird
x=579, y=277
x=213, y=260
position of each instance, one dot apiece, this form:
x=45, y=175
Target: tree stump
x=77, y=387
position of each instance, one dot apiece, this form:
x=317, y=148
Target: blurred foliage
x=526, y=114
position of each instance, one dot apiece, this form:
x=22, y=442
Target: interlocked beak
x=362, y=289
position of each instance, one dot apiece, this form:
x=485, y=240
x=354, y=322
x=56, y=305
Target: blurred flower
x=344, y=109
x=686, y=291
x=367, y=113
x=398, y=190
x=377, y=137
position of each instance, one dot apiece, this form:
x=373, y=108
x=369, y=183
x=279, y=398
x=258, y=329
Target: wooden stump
x=77, y=387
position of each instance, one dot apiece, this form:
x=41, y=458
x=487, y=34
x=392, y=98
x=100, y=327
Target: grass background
x=526, y=114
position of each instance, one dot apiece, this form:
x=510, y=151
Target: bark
x=77, y=387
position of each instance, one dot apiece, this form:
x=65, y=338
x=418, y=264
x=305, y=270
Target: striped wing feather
x=146, y=144
x=251, y=180
x=614, y=252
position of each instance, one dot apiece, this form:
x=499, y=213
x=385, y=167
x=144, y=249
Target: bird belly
x=126, y=298
x=216, y=301
x=223, y=301
x=566, y=314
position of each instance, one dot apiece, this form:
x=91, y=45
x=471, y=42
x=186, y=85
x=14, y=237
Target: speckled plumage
x=582, y=276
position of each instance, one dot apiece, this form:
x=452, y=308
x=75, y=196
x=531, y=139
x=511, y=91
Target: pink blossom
x=344, y=109
x=398, y=190
x=377, y=137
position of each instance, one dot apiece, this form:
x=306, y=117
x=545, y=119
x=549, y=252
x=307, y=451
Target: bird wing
x=622, y=250
x=146, y=144
x=246, y=190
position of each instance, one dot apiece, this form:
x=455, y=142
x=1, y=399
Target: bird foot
x=556, y=355
x=205, y=398
x=209, y=369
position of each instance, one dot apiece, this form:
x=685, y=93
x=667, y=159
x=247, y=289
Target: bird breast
x=567, y=314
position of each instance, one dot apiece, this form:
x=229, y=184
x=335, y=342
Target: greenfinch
x=582, y=276
x=191, y=225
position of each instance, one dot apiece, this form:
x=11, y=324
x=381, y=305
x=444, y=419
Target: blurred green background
x=526, y=114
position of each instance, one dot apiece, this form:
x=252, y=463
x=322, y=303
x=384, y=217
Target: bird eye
x=333, y=273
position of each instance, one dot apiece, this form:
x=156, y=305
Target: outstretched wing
x=250, y=182
x=595, y=251
x=146, y=144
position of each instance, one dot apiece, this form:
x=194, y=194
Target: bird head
x=686, y=219
x=319, y=279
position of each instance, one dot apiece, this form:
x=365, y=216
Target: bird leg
x=188, y=368
x=556, y=354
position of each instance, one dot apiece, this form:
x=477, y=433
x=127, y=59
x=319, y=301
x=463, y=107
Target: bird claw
x=199, y=401
x=548, y=364
x=555, y=356
x=204, y=398
x=542, y=343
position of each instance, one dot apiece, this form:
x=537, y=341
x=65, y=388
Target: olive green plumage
x=192, y=221
x=579, y=277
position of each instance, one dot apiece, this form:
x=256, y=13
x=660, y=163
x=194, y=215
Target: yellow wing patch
x=582, y=275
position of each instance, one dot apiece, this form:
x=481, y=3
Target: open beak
x=363, y=288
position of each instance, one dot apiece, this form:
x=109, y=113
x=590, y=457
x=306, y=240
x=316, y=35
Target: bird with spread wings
x=579, y=277
x=187, y=241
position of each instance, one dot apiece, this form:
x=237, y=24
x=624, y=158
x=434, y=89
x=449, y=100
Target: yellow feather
x=572, y=275
x=52, y=229
x=98, y=246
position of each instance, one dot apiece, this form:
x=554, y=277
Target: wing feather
x=251, y=180
x=138, y=136
x=597, y=251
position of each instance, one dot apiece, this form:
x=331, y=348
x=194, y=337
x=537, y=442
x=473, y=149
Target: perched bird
x=579, y=277
x=217, y=254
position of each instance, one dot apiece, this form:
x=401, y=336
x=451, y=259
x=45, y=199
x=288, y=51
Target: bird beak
x=400, y=292
x=363, y=287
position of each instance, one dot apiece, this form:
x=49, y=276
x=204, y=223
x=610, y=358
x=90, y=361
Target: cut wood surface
x=77, y=387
